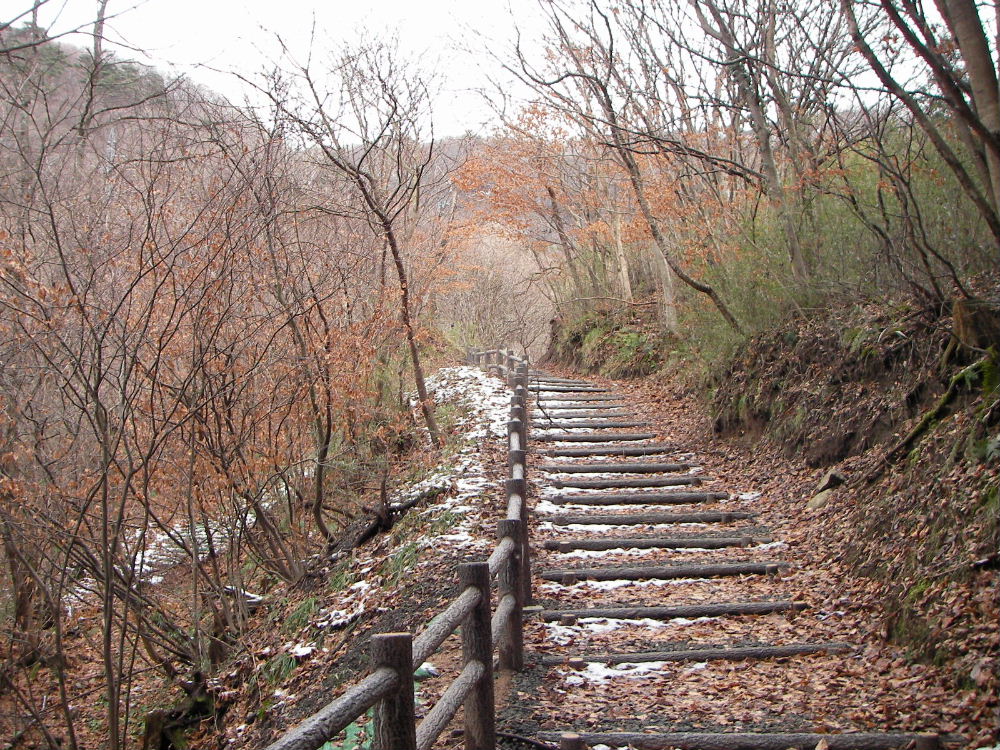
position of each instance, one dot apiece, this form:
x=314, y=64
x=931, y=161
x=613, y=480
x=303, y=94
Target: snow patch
x=598, y=672
x=622, y=552
x=565, y=634
x=771, y=545
x=617, y=584
x=301, y=650
x=597, y=527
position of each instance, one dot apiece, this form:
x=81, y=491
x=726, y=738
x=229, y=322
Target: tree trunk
x=623, y=275
x=748, y=85
x=964, y=22
x=411, y=339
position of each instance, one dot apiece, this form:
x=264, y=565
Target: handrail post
x=515, y=427
x=517, y=414
x=395, y=725
x=477, y=645
x=509, y=582
x=521, y=394
x=521, y=377
x=519, y=487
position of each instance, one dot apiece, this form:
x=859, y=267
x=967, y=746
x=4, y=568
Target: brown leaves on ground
x=840, y=557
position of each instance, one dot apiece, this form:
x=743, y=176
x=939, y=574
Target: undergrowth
x=610, y=342
x=914, y=423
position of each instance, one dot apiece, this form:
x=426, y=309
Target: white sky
x=196, y=36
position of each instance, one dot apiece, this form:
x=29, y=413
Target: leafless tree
x=366, y=116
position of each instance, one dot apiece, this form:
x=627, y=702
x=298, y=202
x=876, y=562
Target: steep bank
x=912, y=423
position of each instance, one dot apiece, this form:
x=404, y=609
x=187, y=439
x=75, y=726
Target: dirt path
x=683, y=590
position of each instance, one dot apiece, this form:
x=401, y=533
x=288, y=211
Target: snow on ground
x=565, y=634
x=579, y=586
x=560, y=476
x=599, y=527
x=630, y=552
x=460, y=480
x=598, y=672
x=544, y=506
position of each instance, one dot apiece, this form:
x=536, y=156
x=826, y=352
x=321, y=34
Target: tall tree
x=367, y=114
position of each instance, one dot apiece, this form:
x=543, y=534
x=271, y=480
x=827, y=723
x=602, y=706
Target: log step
x=689, y=611
x=672, y=542
x=663, y=572
x=584, y=397
x=758, y=741
x=650, y=449
x=611, y=484
x=598, y=424
x=640, y=498
x=647, y=519
x=541, y=414
x=594, y=406
x=632, y=467
x=566, y=389
x=594, y=437
x=738, y=653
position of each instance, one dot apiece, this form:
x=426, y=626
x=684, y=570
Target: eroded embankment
x=911, y=421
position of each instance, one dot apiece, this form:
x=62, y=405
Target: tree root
x=929, y=417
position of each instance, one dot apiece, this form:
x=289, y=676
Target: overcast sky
x=200, y=37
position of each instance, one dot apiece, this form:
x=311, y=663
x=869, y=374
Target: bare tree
x=586, y=84
x=366, y=117
x=966, y=83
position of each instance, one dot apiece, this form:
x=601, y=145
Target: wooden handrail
x=442, y=626
x=388, y=689
x=337, y=715
x=447, y=706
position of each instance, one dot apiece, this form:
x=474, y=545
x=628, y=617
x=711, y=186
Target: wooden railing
x=395, y=656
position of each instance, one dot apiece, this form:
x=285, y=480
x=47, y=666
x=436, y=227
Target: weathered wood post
x=571, y=741
x=518, y=414
x=521, y=379
x=519, y=487
x=516, y=457
x=521, y=394
x=514, y=427
x=395, y=726
x=509, y=582
x=477, y=645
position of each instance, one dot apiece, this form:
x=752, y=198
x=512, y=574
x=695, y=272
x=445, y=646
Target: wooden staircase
x=622, y=582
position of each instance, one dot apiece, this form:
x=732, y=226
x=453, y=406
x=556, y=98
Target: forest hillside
x=231, y=421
